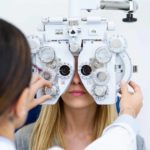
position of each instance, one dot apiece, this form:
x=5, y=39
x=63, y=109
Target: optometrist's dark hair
x=15, y=64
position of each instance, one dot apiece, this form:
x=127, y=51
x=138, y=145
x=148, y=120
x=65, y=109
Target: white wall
x=27, y=14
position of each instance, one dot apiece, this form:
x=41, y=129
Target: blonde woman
x=72, y=123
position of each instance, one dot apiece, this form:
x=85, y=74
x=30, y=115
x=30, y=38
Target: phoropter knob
x=47, y=54
x=103, y=55
x=100, y=90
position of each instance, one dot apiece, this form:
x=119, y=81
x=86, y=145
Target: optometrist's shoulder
x=121, y=134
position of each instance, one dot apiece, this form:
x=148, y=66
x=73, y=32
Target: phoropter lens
x=64, y=70
x=86, y=70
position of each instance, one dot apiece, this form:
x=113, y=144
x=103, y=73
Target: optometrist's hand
x=37, y=82
x=131, y=102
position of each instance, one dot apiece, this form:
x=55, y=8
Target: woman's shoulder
x=23, y=137
x=140, y=143
x=25, y=128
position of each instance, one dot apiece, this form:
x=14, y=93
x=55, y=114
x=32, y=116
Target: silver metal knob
x=47, y=54
x=117, y=44
x=51, y=91
x=100, y=90
x=101, y=77
x=103, y=55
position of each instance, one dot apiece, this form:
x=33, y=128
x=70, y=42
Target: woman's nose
x=76, y=78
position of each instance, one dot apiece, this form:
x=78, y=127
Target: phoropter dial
x=117, y=44
x=47, y=54
x=53, y=91
x=101, y=77
x=100, y=91
x=48, y=74
x=103, y=55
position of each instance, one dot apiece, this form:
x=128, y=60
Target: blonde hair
x=48, y=130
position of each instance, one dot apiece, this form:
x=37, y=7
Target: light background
x=27, y=14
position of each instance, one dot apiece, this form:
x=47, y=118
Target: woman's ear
x=21, y=109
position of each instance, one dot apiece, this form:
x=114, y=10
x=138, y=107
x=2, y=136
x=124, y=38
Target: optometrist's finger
x=35, y=78
x=39, y=84
x=123, y=87
x=135, y=86
x=38, y=101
